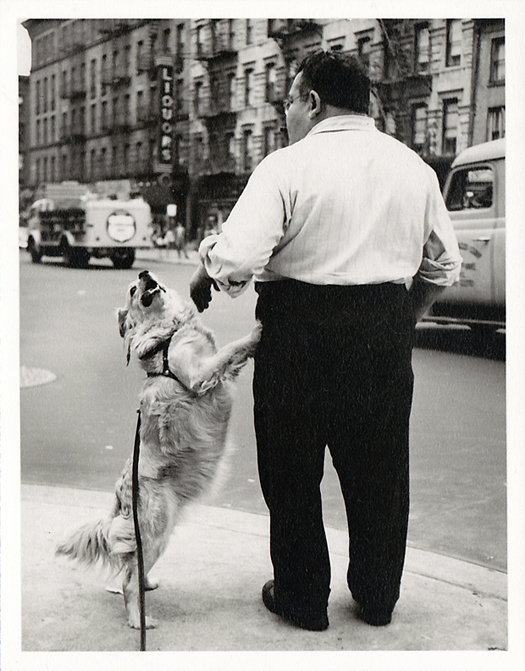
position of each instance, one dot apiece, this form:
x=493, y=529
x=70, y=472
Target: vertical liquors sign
x=166, y=130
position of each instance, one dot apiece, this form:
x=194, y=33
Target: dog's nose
x=149, y=282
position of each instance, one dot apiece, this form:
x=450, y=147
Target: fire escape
x=291, y=35
x=403, y=80
x=219, y=56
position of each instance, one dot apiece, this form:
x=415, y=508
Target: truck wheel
x=36, y=254
x=76, y=257
x=123, y=258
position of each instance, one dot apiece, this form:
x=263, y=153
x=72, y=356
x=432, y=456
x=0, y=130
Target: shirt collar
x=344, y=122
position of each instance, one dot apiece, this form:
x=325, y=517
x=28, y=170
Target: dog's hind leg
x=130, y=590
x=130, y=587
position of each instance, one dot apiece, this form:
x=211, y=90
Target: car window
x=471, y=188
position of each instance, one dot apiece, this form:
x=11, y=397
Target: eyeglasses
x=287, y=103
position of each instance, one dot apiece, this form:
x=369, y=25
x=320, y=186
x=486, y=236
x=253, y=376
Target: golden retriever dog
x=185, y=406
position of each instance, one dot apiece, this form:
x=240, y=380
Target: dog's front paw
x=255, y=337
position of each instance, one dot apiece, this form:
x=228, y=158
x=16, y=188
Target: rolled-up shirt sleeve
x=249, y=235
x=441, y=263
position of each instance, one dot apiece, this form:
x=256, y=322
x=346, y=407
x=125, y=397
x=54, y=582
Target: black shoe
x=374, y=617
x=312, y=624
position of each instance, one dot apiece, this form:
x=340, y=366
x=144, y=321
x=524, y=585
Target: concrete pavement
x=210, y=585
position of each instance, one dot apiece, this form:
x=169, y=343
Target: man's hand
x=200, y=288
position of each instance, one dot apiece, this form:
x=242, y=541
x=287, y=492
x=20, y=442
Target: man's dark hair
x=338, y=79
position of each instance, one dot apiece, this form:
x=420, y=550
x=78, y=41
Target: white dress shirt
x=345, y=205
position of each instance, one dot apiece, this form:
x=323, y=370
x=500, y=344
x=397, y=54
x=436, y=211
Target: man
x=349, y=241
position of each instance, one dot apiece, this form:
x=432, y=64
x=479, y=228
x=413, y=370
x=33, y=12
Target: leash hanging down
x=140, y=556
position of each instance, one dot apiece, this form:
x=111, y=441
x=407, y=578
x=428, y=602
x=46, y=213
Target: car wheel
x=36, y=254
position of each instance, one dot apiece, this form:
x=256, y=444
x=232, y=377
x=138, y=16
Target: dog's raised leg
x=201, y=374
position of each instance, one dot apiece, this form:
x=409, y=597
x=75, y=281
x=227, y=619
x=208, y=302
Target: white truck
x=474, y=194
x=73, y=223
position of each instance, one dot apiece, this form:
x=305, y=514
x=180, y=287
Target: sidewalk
x=159, y=255
x=209, y=597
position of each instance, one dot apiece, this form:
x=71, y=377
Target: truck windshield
x=471, y=188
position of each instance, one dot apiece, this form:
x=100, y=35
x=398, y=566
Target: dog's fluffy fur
x=183, y=431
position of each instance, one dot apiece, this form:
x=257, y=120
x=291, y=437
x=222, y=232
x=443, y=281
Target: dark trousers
x=334, y=368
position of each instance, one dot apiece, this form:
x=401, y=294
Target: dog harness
x=166, y=370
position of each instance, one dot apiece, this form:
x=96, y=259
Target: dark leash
x=140, y=556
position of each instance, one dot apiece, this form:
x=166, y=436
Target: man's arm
x=424, y=295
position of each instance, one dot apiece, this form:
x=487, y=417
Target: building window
x=180, y=43
x=38, y=94
x=200, y=45
x=93, y=119
x=363, y=50
x=454, y=37
x=230, y=90
x=166, y=39
x=231, y=34
x=38, y=133
x=64, y=124
x=45, y=131
x=140, y=106
x=249, y=31
x=53, y=92
x=497, y=61
x=247, y=149
x=450, y=126
x=116, y=111
x=230, y=144
x=248, y=75
x=495, y=123
x=198, y=98
x=53, y=169
x=268, y=140
x=140, y=53
x=271, y=80
x=422, y=51
x=93, y=164
x=53, y=130
x=104, y=73
x=104, y=116
x=419, y=127
x=198, y=149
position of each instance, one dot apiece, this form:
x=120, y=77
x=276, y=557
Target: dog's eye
x=132, y=291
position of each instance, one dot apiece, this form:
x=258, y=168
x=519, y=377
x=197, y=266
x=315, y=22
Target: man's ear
x=315, y=104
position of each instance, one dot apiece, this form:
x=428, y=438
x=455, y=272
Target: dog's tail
x=89, y=544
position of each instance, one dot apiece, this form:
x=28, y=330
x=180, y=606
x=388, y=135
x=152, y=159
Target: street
x=77, y=430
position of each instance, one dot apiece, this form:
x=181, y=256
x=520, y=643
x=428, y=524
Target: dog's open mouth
x=150, y=288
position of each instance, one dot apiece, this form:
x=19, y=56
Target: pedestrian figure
x=180, y=240
x=347, y=236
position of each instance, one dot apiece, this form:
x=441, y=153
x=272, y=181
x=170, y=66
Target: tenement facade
x=185, y=109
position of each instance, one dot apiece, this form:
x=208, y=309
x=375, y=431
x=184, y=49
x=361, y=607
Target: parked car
x=474, y=194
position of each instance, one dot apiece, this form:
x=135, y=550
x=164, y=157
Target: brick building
x=185, y=109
